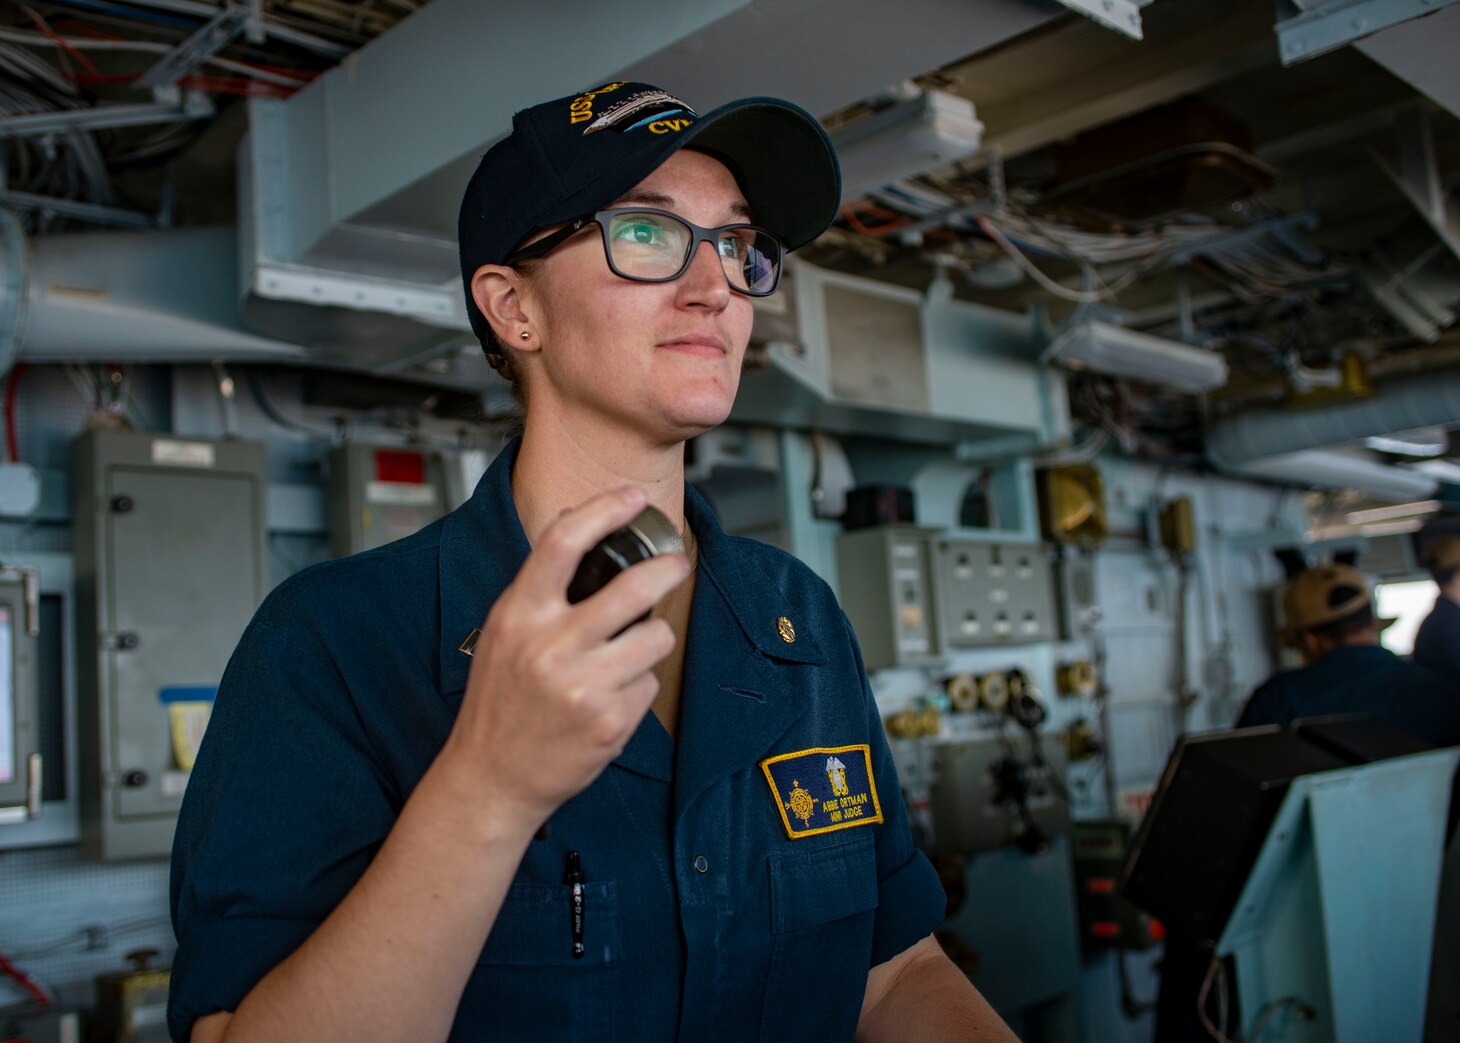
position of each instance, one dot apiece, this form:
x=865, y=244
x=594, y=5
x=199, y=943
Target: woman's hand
x=556, y=690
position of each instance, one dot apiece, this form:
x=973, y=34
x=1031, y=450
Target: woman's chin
x=691, y=415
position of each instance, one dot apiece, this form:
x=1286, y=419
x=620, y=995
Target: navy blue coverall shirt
x=1361, y=679
x=1437, y=642
x=739, y=883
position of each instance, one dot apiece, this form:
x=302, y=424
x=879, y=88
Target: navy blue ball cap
x=570, y=157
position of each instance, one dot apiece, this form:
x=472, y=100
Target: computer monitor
x=1217, y=798
x=1216, y=801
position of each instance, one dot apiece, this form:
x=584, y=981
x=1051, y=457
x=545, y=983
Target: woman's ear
x=498, y=293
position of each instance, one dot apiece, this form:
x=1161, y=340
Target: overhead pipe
x=1422, y=400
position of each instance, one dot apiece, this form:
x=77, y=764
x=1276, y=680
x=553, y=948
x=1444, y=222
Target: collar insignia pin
x=787, y=631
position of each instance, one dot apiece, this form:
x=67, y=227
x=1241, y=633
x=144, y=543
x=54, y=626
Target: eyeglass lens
x=656, y=246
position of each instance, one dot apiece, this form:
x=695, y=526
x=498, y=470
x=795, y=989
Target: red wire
x=97, y=78
x=61, y=42
x=27, y=983
x=10, y=387
x=73, y=26
x=850, y=214
x=239, y=85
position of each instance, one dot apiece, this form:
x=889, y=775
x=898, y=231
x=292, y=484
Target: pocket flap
x=821, y=885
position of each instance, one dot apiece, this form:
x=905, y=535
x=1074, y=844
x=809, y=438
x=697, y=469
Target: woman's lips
x=699, y=345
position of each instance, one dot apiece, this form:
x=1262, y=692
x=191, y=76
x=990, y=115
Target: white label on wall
x=401, y=494
x=174, y=783
x=187, y=454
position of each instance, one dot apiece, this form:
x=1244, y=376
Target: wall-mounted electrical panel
x=914, y=594
x=992, y=792
x=993, y=594
x=169, y=544
x=885, y=576
x=377, y=495
x=21, y=763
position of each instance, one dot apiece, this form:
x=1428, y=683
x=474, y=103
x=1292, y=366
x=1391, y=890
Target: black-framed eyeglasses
x=648, y=245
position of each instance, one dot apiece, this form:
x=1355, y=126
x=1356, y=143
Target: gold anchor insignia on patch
x=801, y=804
x=787, y=631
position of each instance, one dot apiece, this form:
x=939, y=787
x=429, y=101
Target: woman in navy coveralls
x=361, y=853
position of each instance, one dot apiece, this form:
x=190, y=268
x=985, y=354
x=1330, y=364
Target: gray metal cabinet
x=170, y=568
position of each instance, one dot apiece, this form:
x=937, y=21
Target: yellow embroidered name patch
x=823, y=789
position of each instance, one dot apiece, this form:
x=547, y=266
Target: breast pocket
x=823, y=904
x=528, y=985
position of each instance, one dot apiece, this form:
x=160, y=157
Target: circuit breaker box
x=169, y=545
x=377, y=495
x=993, y=593
x=885, y=576
x=20, y=757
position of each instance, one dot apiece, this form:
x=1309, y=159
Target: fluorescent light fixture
x=1426, y=441
x=1444, y=470
x=1119, y=352
x=1370, y=515
x=1334, y=469
x=1397, y=527
x=906, y=138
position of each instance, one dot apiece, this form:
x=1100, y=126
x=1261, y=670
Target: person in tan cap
x=1329, y=618
x=1437, y=644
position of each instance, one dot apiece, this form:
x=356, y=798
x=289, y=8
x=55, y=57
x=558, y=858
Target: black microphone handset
x=650, y=533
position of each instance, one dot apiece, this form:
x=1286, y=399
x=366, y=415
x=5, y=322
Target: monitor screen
x=7, y=698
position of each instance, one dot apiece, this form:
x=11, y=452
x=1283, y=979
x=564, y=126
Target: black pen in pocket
x=573, y=875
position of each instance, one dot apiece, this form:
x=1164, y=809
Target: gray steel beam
x=1419, y=178
x=194, y=105
x=217, y=33
x=1124, y=16
x=93, y=212
x=317, y=44
x=1324, y=27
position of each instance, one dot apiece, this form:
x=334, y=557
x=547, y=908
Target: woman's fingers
x=626, y=597
x=555, y=557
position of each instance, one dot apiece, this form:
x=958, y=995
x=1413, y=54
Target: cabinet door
x=181, y=588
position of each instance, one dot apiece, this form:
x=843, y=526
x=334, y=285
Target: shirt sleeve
x=1437, y=644
x=1265, y=707
x=910, y=899
x=284, y=810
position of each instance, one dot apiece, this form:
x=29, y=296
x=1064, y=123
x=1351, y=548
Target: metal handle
x=31, y=586
x=33, y=786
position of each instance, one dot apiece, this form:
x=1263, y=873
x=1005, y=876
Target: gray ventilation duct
x=137, y=296
x=1424, y=400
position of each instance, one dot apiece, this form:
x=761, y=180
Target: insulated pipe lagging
x=1423, y=400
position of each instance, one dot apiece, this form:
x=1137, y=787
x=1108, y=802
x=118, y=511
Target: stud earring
x=525, y=335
